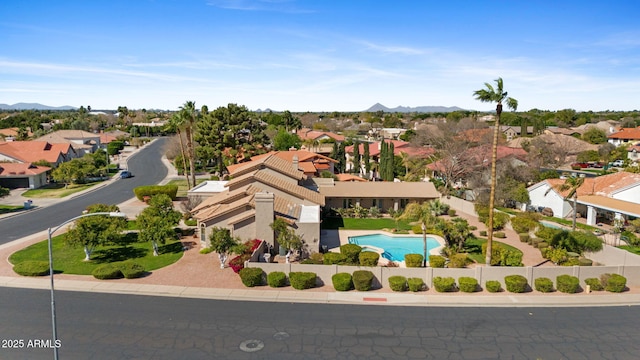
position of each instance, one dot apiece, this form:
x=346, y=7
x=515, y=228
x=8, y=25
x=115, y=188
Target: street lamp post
x=53, y=302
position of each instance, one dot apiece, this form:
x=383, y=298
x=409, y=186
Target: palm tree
x=494, y=95
x=422, y=214
x=189, y=115
x=572, y=184
x=175, y=123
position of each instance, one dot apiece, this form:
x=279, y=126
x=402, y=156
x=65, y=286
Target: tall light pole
x=53, y=302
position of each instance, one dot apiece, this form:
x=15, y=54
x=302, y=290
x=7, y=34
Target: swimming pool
x=394, y=247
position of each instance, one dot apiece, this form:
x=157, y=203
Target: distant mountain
x=419, y=109
x=34, y=106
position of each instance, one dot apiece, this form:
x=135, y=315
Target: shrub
x=277, y=279
x=332, y=258
x=131, y=269
x=362, y=280
x=571, y=262
x=32, y=268
x=436, y=261
x=206, y=250
x=342, y=281
x=150, y=190
x=451, y=212
x=557, y=256
x=547, y=233
x=398, y=283
x=191, y=222
x=594, y=284
x=302, y=280
x=502, y=256
x=473, y=228
x=413, y=260
x=415, y=284
x=516, y=283
x=237, y=263
x=107, y=271
x=585, y=262
x=613, y=282
x=458, y=261
x=468, y=284
x=542, y=245
x=523, y=223
x=499, y=235
x=369, y=258
x=543, y=284
x=568, y=284
x=444, y=284
x=351, y=252
x=493, y=286
x=251, y=276
x=576, y=241
x=524, y=237
x=483, y=232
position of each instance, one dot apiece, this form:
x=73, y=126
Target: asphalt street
x=107, y=326
x=147, y=167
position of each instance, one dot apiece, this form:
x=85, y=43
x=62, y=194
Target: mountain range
x=34, y=106
x=418, y=109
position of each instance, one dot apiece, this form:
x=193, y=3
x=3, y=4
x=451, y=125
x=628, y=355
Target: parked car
x=125, y=174
x=595, y=165
x=578, y=166
x=617, y=163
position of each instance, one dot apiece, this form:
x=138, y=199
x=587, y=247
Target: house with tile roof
x=319, y=136
x=22, y=175
x=625, y=136
x=600, y=199
x=310, y=163
x=399, y=147
x=83, y=142
x=34, y=151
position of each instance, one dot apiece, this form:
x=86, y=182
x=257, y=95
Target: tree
x=176, y=124
x=571, y=184
x=422, y=214
x=74, y=171
x=156, y=222
x=92, y=231
x=189, y=117
x=494, y=95
x=222, y=243
x=285, y=140
x=356, y=157
x=3, y=192
x=456, y=232
x=285, y=236
x=595, y=135
x=366, y=158
x=291, y=122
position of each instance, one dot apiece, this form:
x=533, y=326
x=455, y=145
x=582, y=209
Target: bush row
x=118, y=270
x=150, y=190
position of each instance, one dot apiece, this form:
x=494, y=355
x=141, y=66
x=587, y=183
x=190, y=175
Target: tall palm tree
x=189, y=115
x=494, y=95
x=572, y=184
x=176, y=124
x=422, y=214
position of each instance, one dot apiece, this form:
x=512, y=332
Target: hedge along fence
x=150, y=190
x=480, y=273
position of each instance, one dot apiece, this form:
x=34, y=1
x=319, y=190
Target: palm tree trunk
x=184, y=161
x=575, y=210
x=191, y=155
x=494, y=158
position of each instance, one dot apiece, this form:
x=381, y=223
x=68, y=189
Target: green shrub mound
x=451, y=212
x=351, y=252
x=458, y=261
x=613, y=282
x=251, y=276
x=106, y=272
x=32, y=268
x=468, y=284
x=594, y=284
x=302, y=280
x=493, y=286
x=501, y=256
x=500, y=235
x=516, y=283
x=543, y=284
x=362, y=280
x=398, y=283
x=415, y=284
x=524, y=237
x=150, y=190
x=413, y=260
x=332, y=258
x=444, y=284
x=342, y=281
x=206, y=250
x=568, y=284
x=483, y=232
x=542, y=245
x=277, y=279
x=585, y=262
x=369, y=258
x=436, y=261
x=131, y=269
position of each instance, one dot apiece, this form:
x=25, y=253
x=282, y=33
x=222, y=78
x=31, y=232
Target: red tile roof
x=9, y=169
x=32, y=151
x=399, y=146
x=601, y=185
x=305, y=134
x=626, y=134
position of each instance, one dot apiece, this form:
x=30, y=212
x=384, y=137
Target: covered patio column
x=395, y=205
x=591, y=215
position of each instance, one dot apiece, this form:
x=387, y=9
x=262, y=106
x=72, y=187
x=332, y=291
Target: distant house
x=399, y=147
x=34, y=151
x=512, y=132
x=350, y=177
x=625, y=136
x=22, y=175
x=83, y=142
x=310, y=163
x=319, y=136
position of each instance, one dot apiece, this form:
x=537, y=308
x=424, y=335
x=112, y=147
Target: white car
x=617, y=163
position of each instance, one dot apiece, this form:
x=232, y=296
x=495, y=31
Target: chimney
x=264, y=216
x=295, y=162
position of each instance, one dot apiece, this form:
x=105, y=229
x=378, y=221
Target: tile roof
x=605, y=185
x=374, y=147
x=349, y=177
x=269, y=160
x=32, y=151
x=288, y=187
x=381, y=189
x=611, y=204
x=314, y=134
x=626, y=134
x=9, y=169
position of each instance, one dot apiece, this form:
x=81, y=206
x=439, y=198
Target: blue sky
x=320, y=55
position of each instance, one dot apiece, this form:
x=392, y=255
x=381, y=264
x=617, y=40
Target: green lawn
x=631, y=249
x=182, y=186
x=69, y=260
x=569, y=223
x=474, y=249
x=55, y=191
x=363, y=224
x=4, y=209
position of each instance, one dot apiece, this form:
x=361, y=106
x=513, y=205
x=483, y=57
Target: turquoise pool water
x=395, y=247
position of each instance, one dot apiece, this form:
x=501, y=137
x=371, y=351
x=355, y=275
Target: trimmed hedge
x=398, y=283
x=436, y=261
x=524, y=237
x=413, y=260
x=333, y=258
x=613, y=282
x=594, y=284
x=444, y=284
x=351, y=252
x=458, y=261
x=468, y=284
x=342, y=281
x=251, y=276
x=543, y=284
x=585, y=262
x=568, y=284
x=32, y=268
x=277, y=279
x=516, y=283
x=499, y=235
x=131, y=269
x=369, y=258
x=493, y=286
x=415, y=284
x=150, y=190
x=302, y=280
x=106, y=272
x=362, y=280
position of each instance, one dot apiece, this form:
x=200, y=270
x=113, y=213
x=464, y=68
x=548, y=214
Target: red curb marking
x=374, y=299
